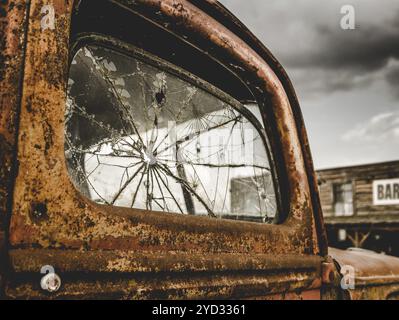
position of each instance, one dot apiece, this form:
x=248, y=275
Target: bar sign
x=386, y=192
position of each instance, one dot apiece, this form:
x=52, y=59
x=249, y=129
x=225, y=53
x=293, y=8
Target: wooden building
x=361, y=206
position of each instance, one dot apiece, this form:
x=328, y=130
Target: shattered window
x=143, y=134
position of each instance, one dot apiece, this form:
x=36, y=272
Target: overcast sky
x=347, y=80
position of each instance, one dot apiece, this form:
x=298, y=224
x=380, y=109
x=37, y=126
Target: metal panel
x=49, y=213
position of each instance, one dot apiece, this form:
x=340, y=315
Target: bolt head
x=51, y=282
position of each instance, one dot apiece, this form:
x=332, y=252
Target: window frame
x=53, y=224
x=334, y=197
x=140, y=54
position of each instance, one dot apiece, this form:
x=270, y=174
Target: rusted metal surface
x=12, y=40
x=376, y=275
x=74, y=222
x=178, y=286
x=370, y=266
x=328, y=271
x=49, y=213
x=129, y=253
x=245, y=61
x=140, y=254
x=169, y=276
x=31, y=260
x=298, y=295
x=224, y=16
x=12, y=22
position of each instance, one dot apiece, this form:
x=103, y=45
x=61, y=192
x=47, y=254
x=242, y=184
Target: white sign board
x=386, y=192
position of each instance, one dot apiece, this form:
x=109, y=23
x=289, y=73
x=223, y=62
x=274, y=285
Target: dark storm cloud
x=321, y=57
x=343, y=77
x=343, y=60
x=393, y=79
x=351, y=59
x=367, y=48
x=313, y=82
x=393, y=75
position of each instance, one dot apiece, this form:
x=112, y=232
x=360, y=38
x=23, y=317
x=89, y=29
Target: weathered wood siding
x=362, y=178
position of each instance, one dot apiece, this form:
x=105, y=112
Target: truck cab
x=156, y=150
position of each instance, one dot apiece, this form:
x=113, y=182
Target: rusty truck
x=156, y=150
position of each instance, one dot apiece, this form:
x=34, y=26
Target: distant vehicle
x=156, y=150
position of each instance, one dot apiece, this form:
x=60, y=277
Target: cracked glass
x=143, y=134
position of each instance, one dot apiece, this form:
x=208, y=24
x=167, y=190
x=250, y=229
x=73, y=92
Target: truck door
x=160, y=156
